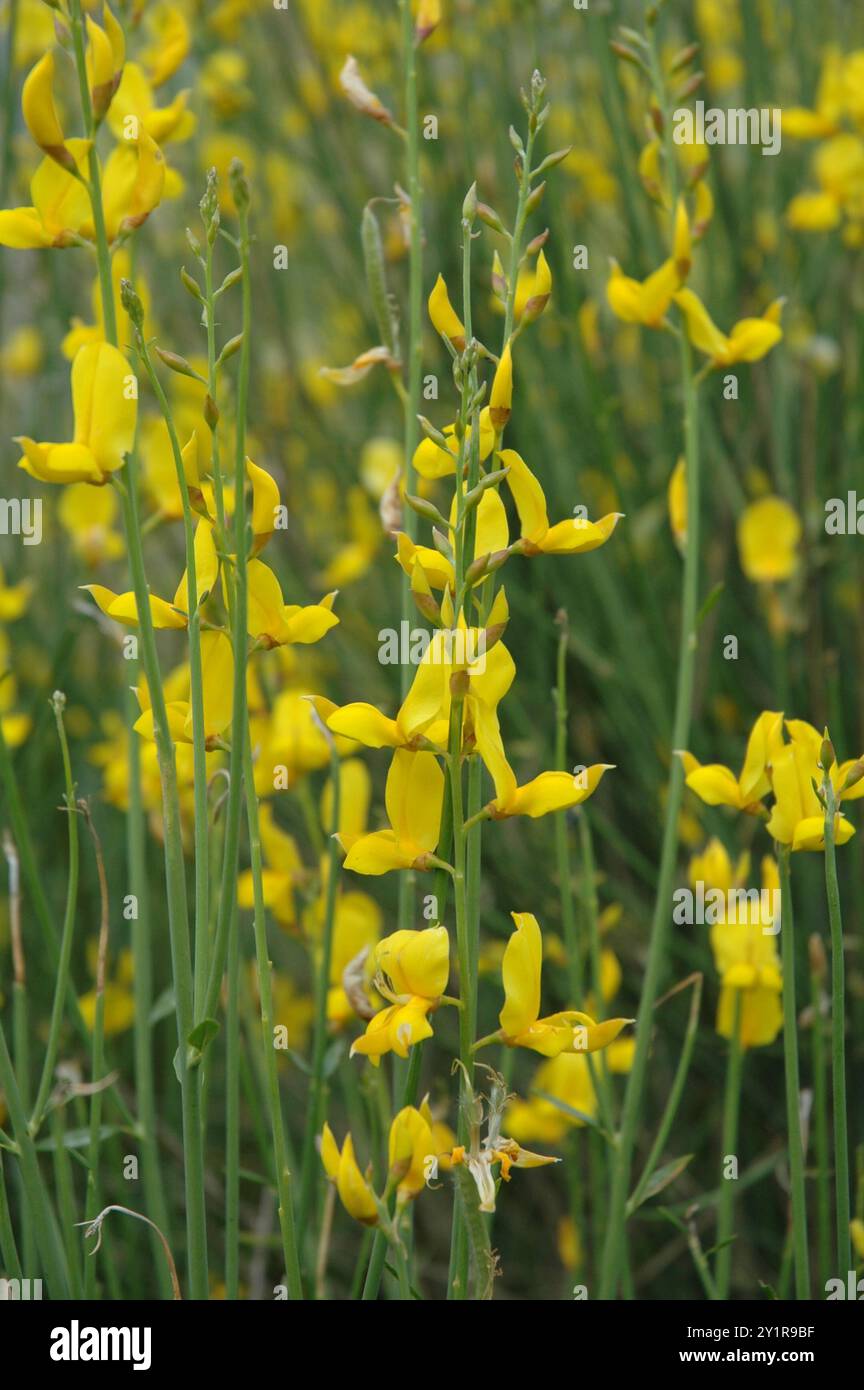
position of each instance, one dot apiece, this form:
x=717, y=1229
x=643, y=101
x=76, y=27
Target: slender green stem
x=36, y=1194
x=8, y=1244
x=53, y=1045
x=310, y=1165
x=196, y=690
x=93, y=1204
x=232, y=1113
x=790, y=1056
x=662, y=911
x=824, y=1243
x=613, y=1252
x=838, y=1038
x=731, y=1113
x=142, y=985
x=175, y=871
x=265, y=993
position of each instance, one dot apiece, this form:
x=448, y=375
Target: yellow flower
x=104, y=59
x=217, y=673
x=105, y=411
x=135, y=98
x=341, y=1168
x=718, y=786
x=521, y=1025
x=411, y=1145
x=413, y=968
x=573, y=537
x=501, y=395
x=551, y=791
x=491, y=536
x=40, y=112
x=769, y=532
x=745, y=954
x=642, y=301
x=273, y=622
x=749, y=340
x=797, y=817
x=170, y=41
x=413, y=797
x=444, y=318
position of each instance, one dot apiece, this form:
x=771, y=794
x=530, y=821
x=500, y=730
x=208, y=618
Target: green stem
x=47, y=1239
x=66, y=938
x=820, y=1127
x=731, y=1112
x=657, y=952
x=232, y=1114
x=265, y=993
x=310, y=1164
x=838, y=1039
x=196, y=685
x=790, y=1056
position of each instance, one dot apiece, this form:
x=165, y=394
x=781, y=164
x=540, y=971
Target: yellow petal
x=520, y=971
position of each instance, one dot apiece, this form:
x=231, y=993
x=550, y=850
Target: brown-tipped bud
x=460, y=683
x=691, y=86
x=697, y=173
x=535, y=246
x=535, y=197
x=211, y=412
x=427, y=606
x=175, y=363
x=626, y=54
x=655, y=116
x=485, y=565
x=683, y=57
x=817, y=956
x=491, y=218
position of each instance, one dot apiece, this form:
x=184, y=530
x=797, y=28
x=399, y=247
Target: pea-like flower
x=105, y=411
x=413, y=797
x=798, y=816
x=769, y=533
x=717, y=785
x=521, y=1025
x=748, y=341
x=571, y=537
x=412, y=972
